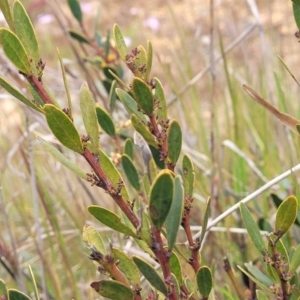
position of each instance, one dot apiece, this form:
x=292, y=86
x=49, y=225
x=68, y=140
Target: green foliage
x=110, y=219
x=14, y=50
x=162, y=196
x=112, y=289
x=150, y=274
x=87, y=107
x=63, y=128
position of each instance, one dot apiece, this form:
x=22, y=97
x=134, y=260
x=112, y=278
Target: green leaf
x=261, y=277
x=261, y=296
x=14, y=92
x=3, y=289
x=120, y=43
x=87, y=107
x=105, y=121
x=156, y=157
x=174, y=217
x=143, y=95
x=205, y=219
x=141, y=128
x=295, y=262
x=188, y=175
x=128, y=148
x=92, y=237
x=112, y=173
x=149, y=60
x=25, y=32
x=176, y=285
x=161, y=196
x=191, y=287
x=75, y=9
x=110, y=219
x=141, y=63
x=63, y=128
x=296, y=10
x=131, y=172
x=286, y=215
x=112, y=289
x=6, y=10
x=151, y=275
x=112, y=96
x=254, y=279
x=78, y=36
x=62, y=159
x=130, y=104
x=160, y=96
x=204, y=281
x=17, y=295
x=174, y=141
x=252, y=228
x=127, y=266
x=14, y=50
x=36, y=292
x=176, y=267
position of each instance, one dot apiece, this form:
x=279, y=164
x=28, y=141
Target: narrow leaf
x=14, y=92
x=176, y=267
x=151, y=275
x=36, y=292
x=75, y=9
x=287, y=120
x=92, y=237
x=161, y=196
x=78, y=36
x=204, y=281
x=105, y=121
x=286, y=215
x=112, y=173
x=62, y=159
x=174, y=217
x=112, y=96
x=131, y=172
x=141, y=128
x=295, y=262
x=149, y=60
x=188, y=175
x=6, y=10
x=160, y=97
x=130, y=104
x=143, y=95
x=14, y=50
x=17, y=295
x=252, y=228
x=127, y=266
x=63, y=128
x=120, y=43
x=261, y=277
x=65, y=84
x=174, y=141
x=128, y=148
x=112, y=289
x=205, y=219
x=261, y=296
x=25, y=32
x=87, y=107
x=110, y=219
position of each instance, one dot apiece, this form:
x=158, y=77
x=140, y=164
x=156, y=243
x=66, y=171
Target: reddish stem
x=107, y=186
x=194, y=260
x=39, y=88
x=163, y=257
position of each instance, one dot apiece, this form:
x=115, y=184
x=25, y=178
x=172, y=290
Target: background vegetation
x=236, y=146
